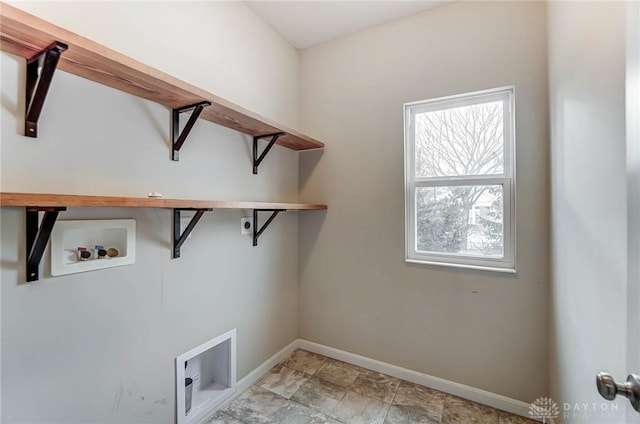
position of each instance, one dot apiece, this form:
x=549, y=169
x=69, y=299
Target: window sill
x=463, y=266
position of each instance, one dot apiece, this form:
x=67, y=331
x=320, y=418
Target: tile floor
x=307, y=388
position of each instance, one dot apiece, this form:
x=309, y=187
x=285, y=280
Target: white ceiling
x=309, y=23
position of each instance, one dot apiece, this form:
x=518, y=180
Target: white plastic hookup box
x=67, y=236
x=212, y=367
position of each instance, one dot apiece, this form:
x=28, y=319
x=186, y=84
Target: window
x=459, y=180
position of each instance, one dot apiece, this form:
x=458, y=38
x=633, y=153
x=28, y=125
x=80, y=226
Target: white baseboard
x=467, y=392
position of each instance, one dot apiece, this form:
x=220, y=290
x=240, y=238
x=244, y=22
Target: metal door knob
x=609, y=389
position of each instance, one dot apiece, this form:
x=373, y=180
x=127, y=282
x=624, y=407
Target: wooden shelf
x=38, y=234
x=26, y=35
x=72, y=200
x=30, y=37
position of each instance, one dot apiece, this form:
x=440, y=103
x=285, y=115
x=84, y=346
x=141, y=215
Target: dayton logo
x=545, y=409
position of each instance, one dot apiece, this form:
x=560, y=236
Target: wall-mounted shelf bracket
x=258, y=159
x=178, y=138
x=178, y=239
x=38, y=237
x=257, y=232
x=40, y=70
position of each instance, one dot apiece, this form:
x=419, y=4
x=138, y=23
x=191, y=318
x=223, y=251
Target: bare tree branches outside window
x=460, y=218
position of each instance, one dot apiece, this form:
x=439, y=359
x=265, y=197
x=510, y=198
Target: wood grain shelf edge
x=25, y=35
x=74, y=200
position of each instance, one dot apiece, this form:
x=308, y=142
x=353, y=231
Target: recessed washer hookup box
x=87, y=245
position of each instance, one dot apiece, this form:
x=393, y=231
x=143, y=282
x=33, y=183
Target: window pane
x=460, y=220
x=460, y=141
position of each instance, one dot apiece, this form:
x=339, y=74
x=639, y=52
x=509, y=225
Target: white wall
x=483, y=329
x=587, y=98
x=222, y=46
x=100, y=346
x=632, y=103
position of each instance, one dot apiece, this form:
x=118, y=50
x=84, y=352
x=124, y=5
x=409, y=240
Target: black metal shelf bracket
x=257, y=232
x=178, y=138
x=258, y=159
x=178, y=239
x=38, y=237
x=38, y=83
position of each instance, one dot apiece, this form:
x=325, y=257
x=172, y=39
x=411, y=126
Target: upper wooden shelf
x=71, y=200
x=26, y=35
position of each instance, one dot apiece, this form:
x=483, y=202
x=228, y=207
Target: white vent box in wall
x=205, y=377
x=117, y=237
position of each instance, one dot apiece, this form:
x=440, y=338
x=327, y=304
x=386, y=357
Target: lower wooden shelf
x=74, y=200
x=38, y=234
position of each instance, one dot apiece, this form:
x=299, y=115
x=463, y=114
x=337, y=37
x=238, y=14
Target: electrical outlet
x=184, y=222
x=246, y=225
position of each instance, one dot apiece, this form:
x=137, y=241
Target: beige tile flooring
x=307, y=388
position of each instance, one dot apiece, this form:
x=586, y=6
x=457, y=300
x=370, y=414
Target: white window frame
x=507, y=180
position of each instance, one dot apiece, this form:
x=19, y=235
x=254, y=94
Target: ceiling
x=309, y=23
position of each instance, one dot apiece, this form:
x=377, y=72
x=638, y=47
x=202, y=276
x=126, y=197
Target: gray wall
x=487, y=330
x=100, y=346
x=589, y=243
